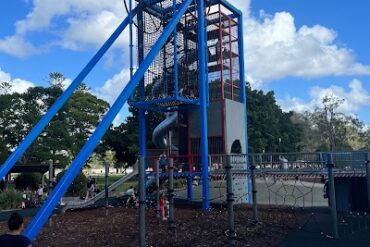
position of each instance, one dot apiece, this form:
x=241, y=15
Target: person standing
x=283, y=163
x=162, y=204
x=325, y=190
x=131, y=195
x=40, y=192
x=163, y=162
x=93, y=187
x=88, y=188
x=14, y=237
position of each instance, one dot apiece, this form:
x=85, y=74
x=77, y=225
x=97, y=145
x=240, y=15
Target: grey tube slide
x=162, y=129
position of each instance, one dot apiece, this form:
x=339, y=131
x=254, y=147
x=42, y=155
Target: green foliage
x=110, y=157
x=10, y=199
x=269, y=128
x=56, y=79
x=5, y=87
x=124, y=139
x=24, y=180
x=328, y=129
x=77, y=187
x=85, y=112
x=64, y=135
x=118, y=165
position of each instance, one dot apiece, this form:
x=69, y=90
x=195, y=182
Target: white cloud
x=17, y=46
x=18, y=85
x=92, y=30
x=113, y=87
x=44, y=12
x=4, y=76
x=276, y=48
x=355, y=97
x=75, y=25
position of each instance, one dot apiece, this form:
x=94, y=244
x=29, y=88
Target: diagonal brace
x=47, y=208
x=36, y=131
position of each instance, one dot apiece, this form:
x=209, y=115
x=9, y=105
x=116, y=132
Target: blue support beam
x=229, y=6
x=203, y=103
x=35, y=132
x=189, y=182
x=47, y=208
x=243, y=96
x=225, y=3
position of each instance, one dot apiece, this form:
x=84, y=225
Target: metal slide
x=160, y=132
x=162, y=129
x=112, y=187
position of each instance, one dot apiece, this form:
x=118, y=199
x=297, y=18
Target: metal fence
x=303, y=183
x=308, y=161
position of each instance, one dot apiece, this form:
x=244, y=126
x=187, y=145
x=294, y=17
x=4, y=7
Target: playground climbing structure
x=182, y=82
x=175, y=62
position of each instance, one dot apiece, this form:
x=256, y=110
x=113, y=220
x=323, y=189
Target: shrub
x=77, y=187
x=24, y=180
x=10, y=199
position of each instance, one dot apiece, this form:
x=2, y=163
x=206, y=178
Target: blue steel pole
x=131, y=45
x=47, y=208
x=203, y=103
x=35, y=132
x=142, y=132
x=243, y=95
x=175, y=66
x=206, y=58
x=142, y=136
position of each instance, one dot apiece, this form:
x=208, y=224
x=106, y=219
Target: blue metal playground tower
x=190, y=62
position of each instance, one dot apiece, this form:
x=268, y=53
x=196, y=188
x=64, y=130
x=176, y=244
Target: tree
x=328, y=129
x=5, y=87
x=311, y=137
x=110, y=157
x=56, y=79
x=269, y=128
x=124, y=139
x=64, y=135
x=84, y=112
x=53, y=143
x=13, y=126
x=335, y=127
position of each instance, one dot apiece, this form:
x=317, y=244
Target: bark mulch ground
x=193, y=228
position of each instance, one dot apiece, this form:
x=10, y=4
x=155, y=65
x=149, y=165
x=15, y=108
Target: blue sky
x=349, y=20
x=302, y=50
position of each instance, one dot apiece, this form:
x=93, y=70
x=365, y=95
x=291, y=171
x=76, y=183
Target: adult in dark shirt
x=15, y=238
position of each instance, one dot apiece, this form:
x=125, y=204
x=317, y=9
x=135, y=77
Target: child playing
x=162, y=203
